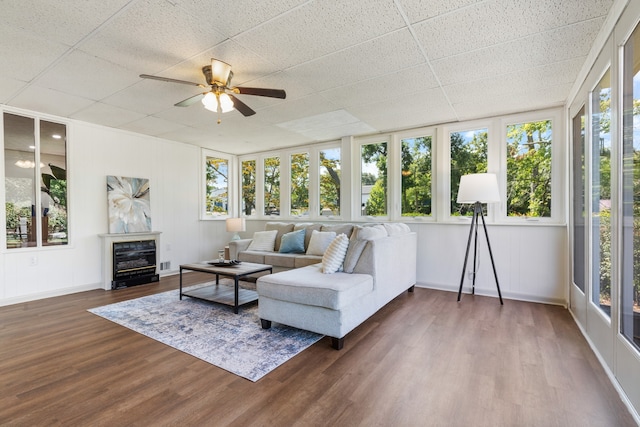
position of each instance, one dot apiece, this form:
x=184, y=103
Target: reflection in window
x=35, y=218
x=416, y=176
x=300, y=184
x=272, y=186
x=529, y=169
x=330, y=176
x=249, y=187
x=468, y=155
x=373, y=179
x=601, y=194
x=579, y=206
x=630, y=298
x=217, y=191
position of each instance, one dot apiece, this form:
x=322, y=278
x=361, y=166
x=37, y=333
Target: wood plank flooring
x=423, y=360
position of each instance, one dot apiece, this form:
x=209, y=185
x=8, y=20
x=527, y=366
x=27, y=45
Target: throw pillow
x=293, y=242
x=263, y=241
x=338, y=228
x=309, y=227
x=334, y=255
x=320, y=241
x=396, y=228
x=359, y=239
x=282, y=228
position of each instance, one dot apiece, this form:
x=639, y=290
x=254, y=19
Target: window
x=248, y=187
x=630, y=298
x=416, y=176
x=35, y=155
x=373, y=179
x=468, y=155
x=330, y=176
x=300, y=184
x=272, y=186
x=217, y=187
x=601, y=193
x=579, y=206
x=529, y=169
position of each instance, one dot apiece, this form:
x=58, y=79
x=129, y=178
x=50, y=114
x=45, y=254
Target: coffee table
x=222, y=293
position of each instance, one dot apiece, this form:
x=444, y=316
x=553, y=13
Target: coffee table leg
x=181, y=283
x=235, y=302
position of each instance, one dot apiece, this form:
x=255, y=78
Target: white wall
x=93, y=153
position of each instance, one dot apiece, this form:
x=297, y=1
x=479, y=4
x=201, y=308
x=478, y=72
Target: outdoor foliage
x=468, y=155
x=529, y=169
x=217, y=183
x=330, y=183
x=272, y=186
x=248, y=186
x=300, y=184
x=416, y=177
x=376, y=204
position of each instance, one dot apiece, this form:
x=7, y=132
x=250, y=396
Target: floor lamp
x=478, y=188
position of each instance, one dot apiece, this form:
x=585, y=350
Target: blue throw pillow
x=293, y=242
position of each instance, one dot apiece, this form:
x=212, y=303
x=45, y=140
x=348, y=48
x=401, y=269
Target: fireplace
x=134, y=263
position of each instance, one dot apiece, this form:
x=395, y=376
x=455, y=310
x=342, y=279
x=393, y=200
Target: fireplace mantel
x=107, y=254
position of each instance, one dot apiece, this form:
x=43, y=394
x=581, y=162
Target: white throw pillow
x=263, y=241
x=334, y=255
x=320, y=241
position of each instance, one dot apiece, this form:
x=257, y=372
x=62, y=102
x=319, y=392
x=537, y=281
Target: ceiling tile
x=151, y=36
x=375, y=58
x=66, y=23
x=9, y=87
x=49, y=101
x=417, y=10
x=323, y=27
x=151, y=126
x=87, y=76
x=106, y=115
x=532, y=51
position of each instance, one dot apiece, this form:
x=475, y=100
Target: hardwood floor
x=422, y=360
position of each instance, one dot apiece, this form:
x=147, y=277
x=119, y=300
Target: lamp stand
x=473, y=231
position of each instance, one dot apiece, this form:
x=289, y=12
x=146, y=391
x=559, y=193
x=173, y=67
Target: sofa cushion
x=320, y=241
x=305, y=260
x=310, y=286
x=292, y=242
x=334, y=255
x=338, y=228
x=359, y=239
x=252, y=256
x=277, y=259
x=263, y=241
x=281, y=229
x=308, y=227
x=394, y=228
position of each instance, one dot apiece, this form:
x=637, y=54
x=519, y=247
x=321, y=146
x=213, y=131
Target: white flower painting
x=129, y=208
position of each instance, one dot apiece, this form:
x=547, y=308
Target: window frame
x=232, y=185
x=356, y=157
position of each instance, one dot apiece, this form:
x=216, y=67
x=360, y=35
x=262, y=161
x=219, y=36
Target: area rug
x=211, y=332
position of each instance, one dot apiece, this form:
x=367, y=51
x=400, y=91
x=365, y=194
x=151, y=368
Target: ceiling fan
x=220, y=97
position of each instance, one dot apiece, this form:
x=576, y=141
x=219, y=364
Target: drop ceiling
x=349, y=67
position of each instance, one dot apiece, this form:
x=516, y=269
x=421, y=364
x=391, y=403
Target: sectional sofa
x=378, y=265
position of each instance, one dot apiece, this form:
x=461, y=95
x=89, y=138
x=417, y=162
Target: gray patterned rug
x=211, y=332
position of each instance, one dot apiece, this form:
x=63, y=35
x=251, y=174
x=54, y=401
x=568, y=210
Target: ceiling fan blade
x=271, y=93
x=167, y=79
x=190, y=101
x=244, y=109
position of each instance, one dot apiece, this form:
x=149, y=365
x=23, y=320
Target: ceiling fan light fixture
x=210, y=102
x=220, y=72
x=226, y=104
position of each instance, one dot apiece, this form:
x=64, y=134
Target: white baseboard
x=49, y=294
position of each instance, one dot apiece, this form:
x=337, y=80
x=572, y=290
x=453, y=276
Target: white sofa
x=334, y=304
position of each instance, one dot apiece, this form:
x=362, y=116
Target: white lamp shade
x=478, y=187
x=220, y=71
x=235, y=224
x=210, y=102
x=226, y=104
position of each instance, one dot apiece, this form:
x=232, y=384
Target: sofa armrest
x=237, y=246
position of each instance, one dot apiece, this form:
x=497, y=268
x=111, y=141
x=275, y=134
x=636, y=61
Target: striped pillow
x=263, y=241
x=334, y=255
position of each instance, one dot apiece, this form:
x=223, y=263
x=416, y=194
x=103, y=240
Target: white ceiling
x=349, y=67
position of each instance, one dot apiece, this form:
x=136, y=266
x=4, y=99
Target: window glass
x=300, y=184
x=248, y=187
x=272, y=186
x=601, y=194
x=630, y=290
x=579, y=206
x=373, y=179
x=30, y=220
x=416, y=176
x=529, y=169
x=330, y=176
x=217, y=191
x=468, y=155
